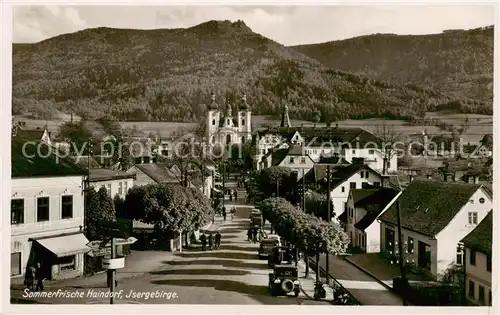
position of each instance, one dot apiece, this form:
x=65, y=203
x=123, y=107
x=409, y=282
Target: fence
x=339, y=291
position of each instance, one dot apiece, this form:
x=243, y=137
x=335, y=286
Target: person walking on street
x=249, y=235
x=210, y=241
x=203, y=240
x=30, y=278
x=254, y=235
x=235, y=195
x=230, y=195
x=224, y=213
x=233, y=213
x=217, y=240
x=39, y=277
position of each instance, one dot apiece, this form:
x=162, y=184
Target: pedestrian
x=30, y=278
x=217, y=240
x=230, y=195
x=235, y=195
x=261, y=234
x=249, y=235
x=254, y=232
x=210, y=241
x=224, y=213
x=203, y=240
x=39, y=277
x=233, y=213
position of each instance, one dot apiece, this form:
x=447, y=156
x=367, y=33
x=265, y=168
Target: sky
x=288, y=25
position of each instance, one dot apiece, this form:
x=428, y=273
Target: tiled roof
x=374, y=200
x=428, y=206
x=339, y=173
x=83, y=161
x=30, y=135
x=333, y=160
x=481, y=237
x=157, y=173
x=44, y=163
x=343, y=217
x=102, y=174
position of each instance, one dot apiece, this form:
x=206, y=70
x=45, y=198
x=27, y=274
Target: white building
x=318, y=142
x=478, y=262
x=224, y=129
x=115, y=182
x=47, y=212
x=344, y=178
x=435, y=217
x=363, y=208
x=292, y=157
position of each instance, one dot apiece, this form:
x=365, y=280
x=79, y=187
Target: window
x=109, y=189
x=228, y=139
x=481, y=200
x=164, y=152
x=353, y=151
x=362, y=174
x=371, y=151
x=303, y=160
x=66, y=207
x=42, y=209
x=473, y=217
x=472, y=258
x=367, y=174
x=126, y=187
x=120, y=188
x=471, y=289
x=460, y=255
x=488, y=263
x=411, y=245
x=66, y=263
x=228, y=122
x=243, y=122
x=481, y=294
x=388, y=164
x=213, y=122
x=292, y=160
x=343, y=189
x=15, y=264
x=376, y=184
x=17, y=211
x=352, y=185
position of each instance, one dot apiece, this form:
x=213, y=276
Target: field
x=479, y=125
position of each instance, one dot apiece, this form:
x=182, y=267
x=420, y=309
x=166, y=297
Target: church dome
x=213, y=105
x=243, y=104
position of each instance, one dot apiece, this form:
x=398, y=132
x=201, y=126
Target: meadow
x=479, y=125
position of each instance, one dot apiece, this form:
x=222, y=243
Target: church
x=225, y=129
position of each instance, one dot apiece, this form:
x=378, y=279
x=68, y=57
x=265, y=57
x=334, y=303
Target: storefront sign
x=113, y=263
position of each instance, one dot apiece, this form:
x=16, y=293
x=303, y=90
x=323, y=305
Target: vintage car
x=280, y=255
x=256, y=219
x=266, y=247
x=284, y=280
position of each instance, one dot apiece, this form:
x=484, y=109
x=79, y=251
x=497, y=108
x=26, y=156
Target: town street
x=231, y=275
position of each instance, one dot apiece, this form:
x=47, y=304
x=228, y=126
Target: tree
x=316, y=204
x=387, y=140
x=77, y=133
x=487, y=140
x=99, y=210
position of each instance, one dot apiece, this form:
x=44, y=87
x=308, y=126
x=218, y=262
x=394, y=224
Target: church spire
x=285, y=119
x=213, y=105
x=244, y=104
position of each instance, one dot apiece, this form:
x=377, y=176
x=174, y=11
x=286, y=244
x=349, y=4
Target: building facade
x=47, y=214
x=115, y=182
x=225, y=129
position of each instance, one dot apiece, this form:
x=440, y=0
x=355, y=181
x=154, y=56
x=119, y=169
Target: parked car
x=280, y=255
x=266, y=247
x=274, y=237
x=283, y=280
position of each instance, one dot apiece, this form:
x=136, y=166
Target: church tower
x=245, y=120
x=285, y=119
x=213, y=119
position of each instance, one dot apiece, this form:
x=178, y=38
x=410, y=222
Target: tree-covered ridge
x=168, y=74
x=459, y=62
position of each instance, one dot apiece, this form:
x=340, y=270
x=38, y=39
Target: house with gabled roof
x=363, y=208
x=435, y=216
x=477, y=261
x=343, y=179
x=152, y=173
x=293, y=157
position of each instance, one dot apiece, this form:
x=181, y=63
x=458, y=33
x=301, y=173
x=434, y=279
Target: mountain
x=168, y=75
x=458, y=62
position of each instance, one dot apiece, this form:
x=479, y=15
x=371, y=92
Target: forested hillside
x=457, y=62
x=168, y=74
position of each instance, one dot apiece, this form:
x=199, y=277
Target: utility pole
x=113, y=271
x=401, y=254
x=328, y=217
x=223, y=183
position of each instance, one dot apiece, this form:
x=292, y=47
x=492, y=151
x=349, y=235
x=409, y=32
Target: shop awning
x=66, y=245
